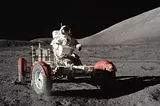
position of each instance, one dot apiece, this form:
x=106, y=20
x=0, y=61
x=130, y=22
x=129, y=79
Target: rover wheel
x=104, y=74
x=41, y=79
x=103, y=79
x=22, y=70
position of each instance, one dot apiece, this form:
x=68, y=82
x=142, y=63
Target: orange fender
x=44, y=67
x=104, y=65
x=22, y=66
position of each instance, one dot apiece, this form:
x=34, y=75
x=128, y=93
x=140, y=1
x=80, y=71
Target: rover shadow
x=123, y=86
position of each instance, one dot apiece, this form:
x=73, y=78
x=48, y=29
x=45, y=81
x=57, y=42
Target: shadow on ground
x=123, y=86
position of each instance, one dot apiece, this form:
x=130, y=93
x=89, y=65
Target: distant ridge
x=143, y=28
x=8, y=43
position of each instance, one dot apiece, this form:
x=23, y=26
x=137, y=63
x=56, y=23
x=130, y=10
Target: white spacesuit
x=64, y=37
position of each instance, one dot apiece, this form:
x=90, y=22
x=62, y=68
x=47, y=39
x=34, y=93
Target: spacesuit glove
x=79, y=47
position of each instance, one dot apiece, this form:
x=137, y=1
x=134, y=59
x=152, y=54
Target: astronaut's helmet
x=65, y=30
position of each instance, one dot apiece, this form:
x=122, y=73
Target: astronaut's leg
x=56, y=58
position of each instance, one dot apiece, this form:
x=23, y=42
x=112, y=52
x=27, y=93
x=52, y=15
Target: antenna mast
x=61, y=24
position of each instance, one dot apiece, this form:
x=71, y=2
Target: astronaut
x=64, y=37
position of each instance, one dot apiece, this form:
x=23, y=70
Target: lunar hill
x=143, y=28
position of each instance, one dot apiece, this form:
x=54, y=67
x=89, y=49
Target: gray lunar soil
x=137, y=76
x=138, y=79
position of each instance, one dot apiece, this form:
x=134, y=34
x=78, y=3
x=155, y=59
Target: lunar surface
x=137, y=77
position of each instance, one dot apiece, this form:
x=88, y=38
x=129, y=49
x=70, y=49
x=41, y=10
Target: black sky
x=29, y=19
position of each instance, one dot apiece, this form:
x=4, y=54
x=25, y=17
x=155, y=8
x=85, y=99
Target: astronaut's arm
x=55, y=42
x=78, y=45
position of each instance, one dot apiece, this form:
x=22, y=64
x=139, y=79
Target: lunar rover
x=44, y=69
